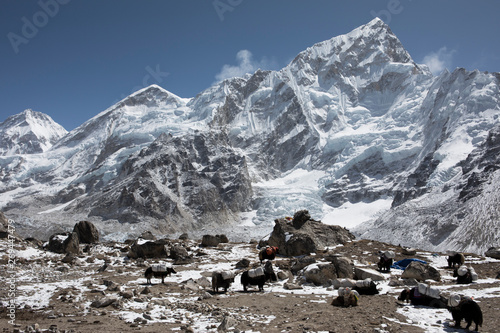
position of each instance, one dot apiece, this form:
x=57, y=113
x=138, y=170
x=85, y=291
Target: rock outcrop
x=304, y=235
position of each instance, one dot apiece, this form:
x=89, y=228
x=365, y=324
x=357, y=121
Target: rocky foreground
x=102, y=288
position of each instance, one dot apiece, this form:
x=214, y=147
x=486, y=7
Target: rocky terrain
x=100, y=286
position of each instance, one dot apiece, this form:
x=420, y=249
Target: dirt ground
x=270, y=311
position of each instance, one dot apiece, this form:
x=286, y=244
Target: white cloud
x=245, y=64
x=438, y=61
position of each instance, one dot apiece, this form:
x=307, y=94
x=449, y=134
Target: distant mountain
x=352, y=122
x=29, y=132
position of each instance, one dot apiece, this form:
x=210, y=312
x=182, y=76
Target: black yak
x=469, y=310
x=269, y=253
x=386, y=260
x=416, y=298
x=253, y=277
x=158, y=271
x=366, y=288
x=222, y=279
x=457, y=258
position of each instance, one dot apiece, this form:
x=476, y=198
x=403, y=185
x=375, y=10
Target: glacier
x=352, y=129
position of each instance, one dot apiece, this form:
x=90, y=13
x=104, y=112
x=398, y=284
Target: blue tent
x=402, y=264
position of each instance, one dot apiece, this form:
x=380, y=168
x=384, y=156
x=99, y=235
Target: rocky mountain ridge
x=350, y=122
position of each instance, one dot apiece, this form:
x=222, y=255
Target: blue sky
x=72, y=59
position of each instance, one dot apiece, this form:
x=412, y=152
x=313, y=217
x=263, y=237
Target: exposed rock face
x=87, y=232
x=312, y=235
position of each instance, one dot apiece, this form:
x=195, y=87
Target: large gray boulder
x=320, y=274
x=303, y=235
x=421, y=272
x=211, y=240
x=367, y=273
x=149, y=249
x=87, y=232
x=64, y=243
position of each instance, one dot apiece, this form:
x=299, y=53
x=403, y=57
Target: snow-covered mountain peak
x=29, y=132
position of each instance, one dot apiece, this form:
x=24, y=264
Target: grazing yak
x=466, y=309
x=258, y=276
x=415, y=297
x=455, y=258
x=222, y=279
x=158, y=271
x=269, y=253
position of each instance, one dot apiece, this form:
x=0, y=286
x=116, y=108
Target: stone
x=320, y=274
x=299, y=263
x=104, y=302
x=148, y=249
x=310, y=237
x=367, y=273
x=421, y=272
x=343, y=266
x=211, y=240
x=493, y=252
x=291, y=286
x=178, y=252
x=226, y=324
x=87, y=232
x=64, y=243
x=243, y=263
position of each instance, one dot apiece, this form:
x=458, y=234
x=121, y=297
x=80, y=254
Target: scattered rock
x=226, y=324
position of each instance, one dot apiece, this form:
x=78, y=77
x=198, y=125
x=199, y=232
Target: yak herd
x=461, y=308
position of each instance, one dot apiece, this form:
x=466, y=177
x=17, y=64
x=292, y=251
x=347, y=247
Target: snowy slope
x=352, y=130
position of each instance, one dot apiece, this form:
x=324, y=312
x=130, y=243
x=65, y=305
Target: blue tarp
x=402, y=264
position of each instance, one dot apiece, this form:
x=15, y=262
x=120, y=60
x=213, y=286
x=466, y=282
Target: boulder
x=299, y=263
x=64, y=243
x=303, y=236
x=87, y=232
x=103, y=302
x=320, y=274
x=178, y=252
x=493, y=252
x=211, y=240
x=148, y=249
x=343, y=266
x=421, y=272
x=367, y=273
